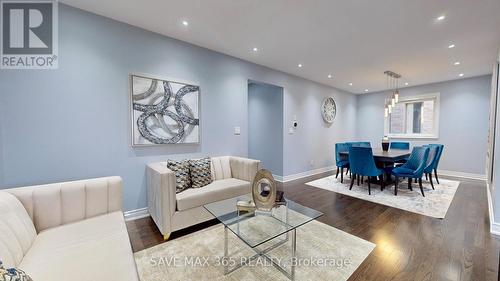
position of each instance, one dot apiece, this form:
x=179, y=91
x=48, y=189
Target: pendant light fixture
x=393, y=87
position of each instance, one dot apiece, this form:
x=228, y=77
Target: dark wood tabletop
x=392, y=155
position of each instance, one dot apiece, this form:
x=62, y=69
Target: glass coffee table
x=256, y=228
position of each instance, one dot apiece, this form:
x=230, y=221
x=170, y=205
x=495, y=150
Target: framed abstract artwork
x=164, y=112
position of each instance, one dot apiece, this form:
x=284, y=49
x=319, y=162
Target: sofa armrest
x=244, y=168
x=161, y=195
x=56, y=204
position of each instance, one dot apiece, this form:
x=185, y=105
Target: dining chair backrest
x=417, y=160
x=340, y=147
x=432, y=159
x=361, y=161
x=440, y=152
x=400, y=145
x=359, y=143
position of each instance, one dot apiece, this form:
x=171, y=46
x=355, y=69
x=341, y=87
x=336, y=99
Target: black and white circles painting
x=164, y=112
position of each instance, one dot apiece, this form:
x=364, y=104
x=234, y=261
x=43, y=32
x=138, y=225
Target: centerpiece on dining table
x=385, y=143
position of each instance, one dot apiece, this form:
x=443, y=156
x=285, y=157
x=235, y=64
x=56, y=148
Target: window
x=416, y=117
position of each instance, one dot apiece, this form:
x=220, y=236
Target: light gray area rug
x=435, y=203
x=325, y=253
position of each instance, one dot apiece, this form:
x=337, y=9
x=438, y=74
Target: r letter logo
x=29, y=34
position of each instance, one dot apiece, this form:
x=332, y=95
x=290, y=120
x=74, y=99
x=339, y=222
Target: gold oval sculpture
x=264, y=190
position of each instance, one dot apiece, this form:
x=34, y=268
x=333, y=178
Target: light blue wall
x=463, y=125
x=74, y=122
x=265, y=126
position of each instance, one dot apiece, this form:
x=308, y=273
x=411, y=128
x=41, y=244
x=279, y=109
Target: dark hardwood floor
x=409, y=246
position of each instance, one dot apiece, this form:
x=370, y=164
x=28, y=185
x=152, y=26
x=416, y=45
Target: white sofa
x=232, y=176
x=67, y=231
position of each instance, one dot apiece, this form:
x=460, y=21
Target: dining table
x=386, y=159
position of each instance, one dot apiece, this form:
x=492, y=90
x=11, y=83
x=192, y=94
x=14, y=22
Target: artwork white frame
x=134, y=113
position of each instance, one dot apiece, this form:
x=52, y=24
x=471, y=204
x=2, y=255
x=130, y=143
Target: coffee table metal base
x=263, y=253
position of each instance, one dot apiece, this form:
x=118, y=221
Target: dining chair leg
x=409, y=184
x=357, y=177
x=416, y=180
x=342, y=175
x=430, y=179
x=426, y=177
x=347, y=172
x=362, y=179
x=352, y=181
x=382, y=183
x=369, y=187
x=337, y=175
x=421, y=187
x=436, y=174
x=396, y=186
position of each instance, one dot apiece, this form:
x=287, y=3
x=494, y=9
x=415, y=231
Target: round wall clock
x=328, y=110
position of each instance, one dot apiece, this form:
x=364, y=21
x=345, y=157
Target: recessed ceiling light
x=329, y=76
x=441, y=17
x=366, y=90
x=406, y=83
x=299, y=65
x=185, y=23
x=456, y=63
x=451, y=46
x=350, y=84
x=461, y=75
x=255, y=49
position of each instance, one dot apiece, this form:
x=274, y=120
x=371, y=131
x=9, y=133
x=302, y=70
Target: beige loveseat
x=67, y=231
x=232, y=176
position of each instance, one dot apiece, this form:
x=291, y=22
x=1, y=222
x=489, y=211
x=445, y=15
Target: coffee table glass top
x=256, y=228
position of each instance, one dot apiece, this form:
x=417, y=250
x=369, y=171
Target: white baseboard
x=304, y=174
x=278, y=178
x=462, y=175
x=332, y=168
x=136, y=214
x=494, y=226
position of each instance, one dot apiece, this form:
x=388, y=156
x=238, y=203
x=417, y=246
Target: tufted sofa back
x=17, y=231
x=55, y=204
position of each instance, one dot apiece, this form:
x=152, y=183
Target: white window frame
x=435, y=131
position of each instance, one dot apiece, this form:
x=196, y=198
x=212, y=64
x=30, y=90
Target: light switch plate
x=237, y=131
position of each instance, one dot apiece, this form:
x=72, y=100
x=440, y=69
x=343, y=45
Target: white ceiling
x=354, y=40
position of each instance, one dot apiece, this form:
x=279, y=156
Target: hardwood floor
x=409, y=246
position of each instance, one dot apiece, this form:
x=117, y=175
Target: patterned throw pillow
x=13, y=274
x=201, y=174
x=181, y=171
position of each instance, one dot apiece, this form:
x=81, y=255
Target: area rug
x=435, y=203
x=323, y=253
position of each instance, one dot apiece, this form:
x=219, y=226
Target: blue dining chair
x=431, y=162
x=440, y=152
x=362, y=163
x=413, y=168
x=402, y=146
x=399, y=145
x=359, y=143
x=341, y=161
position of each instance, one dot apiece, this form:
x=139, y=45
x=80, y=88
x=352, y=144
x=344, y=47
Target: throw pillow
x=201, y=174
x=181, y=171
x=13, y=274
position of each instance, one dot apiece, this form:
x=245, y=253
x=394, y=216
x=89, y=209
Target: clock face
x=328, y=110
